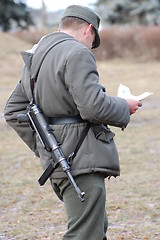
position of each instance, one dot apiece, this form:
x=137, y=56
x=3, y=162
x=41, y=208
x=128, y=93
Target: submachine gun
x=39, y=124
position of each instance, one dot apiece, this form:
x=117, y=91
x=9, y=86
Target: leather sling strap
x=79, y=143
x=85, y=130
x=33, y=80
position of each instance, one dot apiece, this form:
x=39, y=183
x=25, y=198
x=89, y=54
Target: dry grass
x=32, y=36
x=28, y=211
x=133, y=200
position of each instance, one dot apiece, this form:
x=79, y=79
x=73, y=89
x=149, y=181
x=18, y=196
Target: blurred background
x=129, y=54
x=129, y=28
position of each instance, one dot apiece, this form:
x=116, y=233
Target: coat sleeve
x=82, y=80
x=17, y=104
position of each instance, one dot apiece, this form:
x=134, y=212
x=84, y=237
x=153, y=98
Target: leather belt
x=65, y=120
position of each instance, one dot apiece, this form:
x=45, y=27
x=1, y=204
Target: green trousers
x=86, y=220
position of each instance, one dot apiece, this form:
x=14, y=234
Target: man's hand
x=133, y=105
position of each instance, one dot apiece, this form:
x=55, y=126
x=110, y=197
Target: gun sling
x=58, y=121
x=49, y=170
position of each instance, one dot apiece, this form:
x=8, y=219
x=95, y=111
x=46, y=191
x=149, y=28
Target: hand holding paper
x=124, y=92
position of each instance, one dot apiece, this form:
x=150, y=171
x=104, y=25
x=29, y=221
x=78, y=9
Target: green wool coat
x=68, y=85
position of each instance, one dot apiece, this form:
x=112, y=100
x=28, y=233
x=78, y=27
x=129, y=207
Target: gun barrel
x=78, y=191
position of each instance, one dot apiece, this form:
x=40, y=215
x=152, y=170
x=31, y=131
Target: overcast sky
x=54, y=5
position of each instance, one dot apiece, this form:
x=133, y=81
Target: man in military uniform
x=68, y=91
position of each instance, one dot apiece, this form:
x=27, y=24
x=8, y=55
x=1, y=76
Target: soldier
x=68, y=91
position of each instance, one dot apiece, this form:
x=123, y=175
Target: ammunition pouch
x=102, y=133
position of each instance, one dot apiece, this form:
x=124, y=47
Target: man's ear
x=88, y=30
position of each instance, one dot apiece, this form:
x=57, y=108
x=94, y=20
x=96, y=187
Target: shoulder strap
x=33, y=80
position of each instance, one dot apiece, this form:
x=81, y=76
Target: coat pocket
x=102, y=133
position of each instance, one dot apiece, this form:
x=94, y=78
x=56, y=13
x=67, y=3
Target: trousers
x=86, y=220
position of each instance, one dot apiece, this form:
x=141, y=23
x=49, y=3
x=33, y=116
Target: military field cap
x=87, y=15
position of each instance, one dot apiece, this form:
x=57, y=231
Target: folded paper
x=124, y=92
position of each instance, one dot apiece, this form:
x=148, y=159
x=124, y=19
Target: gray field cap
x=87, y=15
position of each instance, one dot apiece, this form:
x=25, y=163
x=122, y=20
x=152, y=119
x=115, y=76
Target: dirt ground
x=28, y=211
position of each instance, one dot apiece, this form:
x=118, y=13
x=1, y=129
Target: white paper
x=124, y=92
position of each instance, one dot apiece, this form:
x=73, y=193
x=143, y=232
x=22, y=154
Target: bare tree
x=43, y=15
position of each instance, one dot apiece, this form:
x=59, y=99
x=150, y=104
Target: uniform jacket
x=68, y=85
